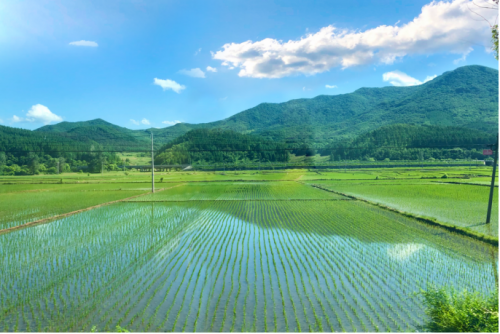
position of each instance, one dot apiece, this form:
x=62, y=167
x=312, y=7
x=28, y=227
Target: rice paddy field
x=462, y=205
x=24, y=203
x=253, y=255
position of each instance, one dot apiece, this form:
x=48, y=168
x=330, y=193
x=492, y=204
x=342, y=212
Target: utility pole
x=58, y=166
x=492, y=187
x=152, y=165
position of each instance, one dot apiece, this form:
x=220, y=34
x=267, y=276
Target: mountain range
x=465, y=97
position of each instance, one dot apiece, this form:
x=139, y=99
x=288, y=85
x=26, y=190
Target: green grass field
x=23, y=203
x=457, y=204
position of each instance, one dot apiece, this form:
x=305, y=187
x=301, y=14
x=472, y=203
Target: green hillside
x=220, y=146
x=467, y=96
x=30, y=152
x=413, y=142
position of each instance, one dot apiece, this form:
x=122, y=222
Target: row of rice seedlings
x=223, y=278
x=282, y=262
x=195, y=254
x=172, y=304
x=269, y=244
x=408, y=272
x=222, y=262
x=263, y=275
x=61, y=293
x=290, y=219
x=207, y=250
x=138, y=285
x=239, y=242
x=354, y=305
x=296, y=287
x=355, y=286
x=240, y=265
x=178, y=314
x=291, y=250
x=221, y=236
x=66, y=263
x=193, y=240
x=262, y=233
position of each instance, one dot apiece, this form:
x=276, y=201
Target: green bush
x=453, y=311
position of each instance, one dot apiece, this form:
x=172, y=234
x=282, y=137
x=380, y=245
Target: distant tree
x=3, y=161
x=33, y=164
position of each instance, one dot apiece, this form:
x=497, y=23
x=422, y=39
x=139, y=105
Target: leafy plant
x=453, y=311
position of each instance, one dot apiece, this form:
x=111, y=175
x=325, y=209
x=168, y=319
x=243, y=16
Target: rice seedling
x=233, y=257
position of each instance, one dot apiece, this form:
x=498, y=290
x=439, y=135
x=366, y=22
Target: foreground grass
x=452, y=311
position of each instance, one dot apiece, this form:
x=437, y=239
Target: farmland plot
x=17, y=208
x=461, y=205
x=328, y=265
x=240, y=191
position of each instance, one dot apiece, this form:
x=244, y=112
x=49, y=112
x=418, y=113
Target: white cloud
x=1, y=121
x=430, y=77
x=169, y=123
x=194, y=72
x=38, y=114
x=330, y=86
x=464, y=56
x=197, y=51
x=135, y=122
x=169, y=84
x=145, y=121
x=398, y=78
x=441, y=27
x=84, y=43
x=223, y=98
x=211, y=69
x=16, y=119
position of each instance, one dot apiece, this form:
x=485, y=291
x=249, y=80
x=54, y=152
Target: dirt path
x=67, y=214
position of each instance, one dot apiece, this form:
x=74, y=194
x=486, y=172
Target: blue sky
x=81, y=60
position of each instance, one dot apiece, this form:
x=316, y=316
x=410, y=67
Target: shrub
x=451, y=311
x=445, y=176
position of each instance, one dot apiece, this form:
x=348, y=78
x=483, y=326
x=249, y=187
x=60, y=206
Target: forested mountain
x=466, y=96
x=391, y=142
x=220, y=146
x=30, y=152
x=413, y=142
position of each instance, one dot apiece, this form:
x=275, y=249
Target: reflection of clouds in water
x=403, y=251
